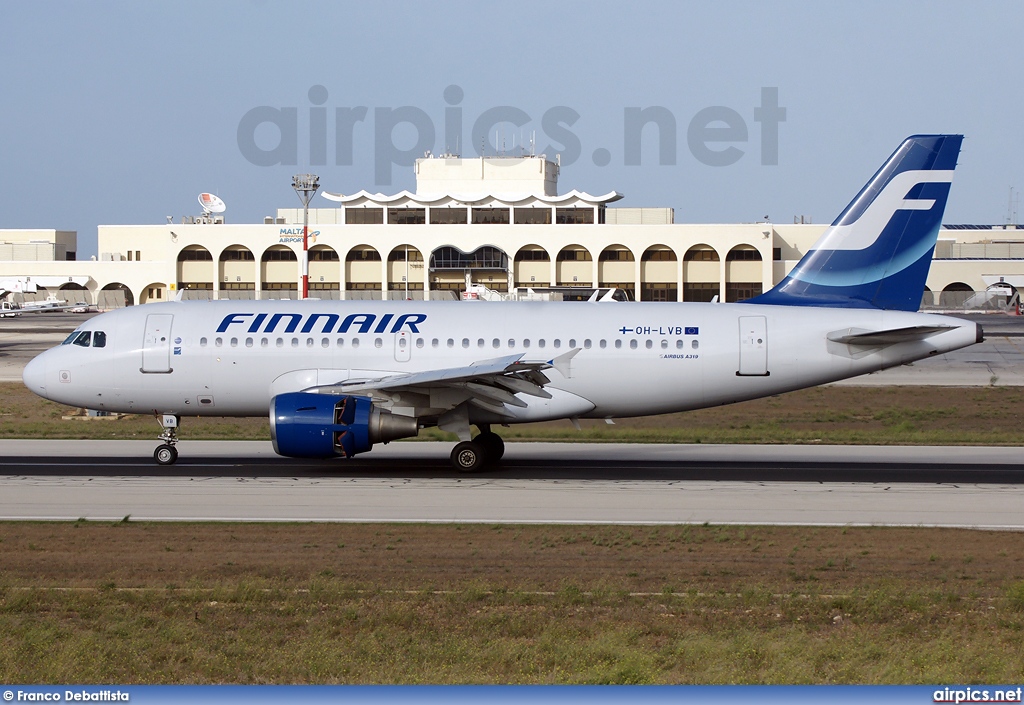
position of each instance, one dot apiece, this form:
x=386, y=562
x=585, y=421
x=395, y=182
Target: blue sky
x=123, y=112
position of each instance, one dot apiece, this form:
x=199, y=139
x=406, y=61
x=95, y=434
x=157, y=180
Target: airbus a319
x=337, y=377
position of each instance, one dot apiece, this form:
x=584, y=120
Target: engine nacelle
x=305, y=425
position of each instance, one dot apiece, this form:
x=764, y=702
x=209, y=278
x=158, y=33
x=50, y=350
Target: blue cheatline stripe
x=535, y=695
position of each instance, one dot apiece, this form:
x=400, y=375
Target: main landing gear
x=166, y=453
x=480, y=453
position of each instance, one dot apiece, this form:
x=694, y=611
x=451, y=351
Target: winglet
x=563, y=363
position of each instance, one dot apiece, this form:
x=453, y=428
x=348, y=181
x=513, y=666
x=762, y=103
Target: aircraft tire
x=165, y=454
x=468, y=456
x=492, y=445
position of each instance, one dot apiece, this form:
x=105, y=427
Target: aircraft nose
x=34, y=375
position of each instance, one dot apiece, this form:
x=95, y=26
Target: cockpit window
x=83, y=339
x=71, y=338
x=99, y=339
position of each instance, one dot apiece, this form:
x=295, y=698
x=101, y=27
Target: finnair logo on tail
x=865, y=230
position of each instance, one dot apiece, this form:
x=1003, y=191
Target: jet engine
x=305, y=425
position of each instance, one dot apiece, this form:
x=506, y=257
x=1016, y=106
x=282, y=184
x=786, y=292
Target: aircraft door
x=753, y=347
x=403, y=345
x=156, y=343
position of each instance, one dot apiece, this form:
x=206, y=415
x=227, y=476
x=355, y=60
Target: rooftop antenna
x=211, y=204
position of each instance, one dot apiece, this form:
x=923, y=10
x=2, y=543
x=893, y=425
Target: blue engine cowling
x=305, y=425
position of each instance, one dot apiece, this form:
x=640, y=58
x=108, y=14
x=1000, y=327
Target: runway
x=980, y=487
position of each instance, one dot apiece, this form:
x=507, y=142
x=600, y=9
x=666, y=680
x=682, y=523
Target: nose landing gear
x=166, y=453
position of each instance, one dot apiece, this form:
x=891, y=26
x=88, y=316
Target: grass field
x=315, y=603
x=871, y=415
x=341, y=603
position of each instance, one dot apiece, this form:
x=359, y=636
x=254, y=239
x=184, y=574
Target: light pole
x=305, y=186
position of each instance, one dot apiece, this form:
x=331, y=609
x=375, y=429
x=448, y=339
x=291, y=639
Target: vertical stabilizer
x=877, y=252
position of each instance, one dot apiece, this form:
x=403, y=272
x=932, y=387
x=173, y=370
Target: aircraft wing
x=488, y=384
x=853, y=336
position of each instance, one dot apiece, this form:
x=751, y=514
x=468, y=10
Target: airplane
x=337, y=377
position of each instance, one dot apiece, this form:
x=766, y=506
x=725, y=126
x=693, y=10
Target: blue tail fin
x=877, y=252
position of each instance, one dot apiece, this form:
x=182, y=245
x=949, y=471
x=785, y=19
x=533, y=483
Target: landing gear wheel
x=492, y=445
x=165, y=454
x=468, y=456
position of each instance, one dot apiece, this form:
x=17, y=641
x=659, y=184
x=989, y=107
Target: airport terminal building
x=495, y=222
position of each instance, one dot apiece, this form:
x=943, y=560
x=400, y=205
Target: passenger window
x=480, y=342
x=572, y=342
x=526, y=342
x=664, y=345
x=378, y=343
x=325, y=343
x=234, y=342
x=355, y=342
x=495, y=343
x=248, y=342
x=604, y=344
x=434, y=343
x=202, y=342
x=632, y=344
x=557, y=343
x=618, y=344
x=586, y=343
x=341, y=342
x=694, y=344
x=295, y=342
x=83, y=339
x=280, y=342
x=419, y=342
x=679, y=344
x=650, y=344
x=264, y=342
x=541, y=343
x=465, y=342
x=99, y=339
x=451, y=343
x=309, y=342
x=218, y=342
x=511, y=343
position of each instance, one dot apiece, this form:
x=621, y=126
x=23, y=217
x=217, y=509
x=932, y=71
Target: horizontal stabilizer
x=854, y=336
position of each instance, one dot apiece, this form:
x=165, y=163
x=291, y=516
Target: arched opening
x=701, y=273
x=324, y=272
x=955, y=295
x=616, y=267
x=237, y=273
x=73, y=293
x=363, y=273
x=195, y=272
x=486, y=266
x=532, y=267
x=115, y=295
x=659, y=272
x=574, y=266
x=279, y=273
x=743, y=273
x=153, y=293
x=405, y=273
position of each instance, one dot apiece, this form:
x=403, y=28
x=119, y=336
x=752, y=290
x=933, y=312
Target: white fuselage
x=223, y=358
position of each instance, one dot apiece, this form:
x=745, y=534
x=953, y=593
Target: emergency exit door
x=156, y=343
x=753, y=347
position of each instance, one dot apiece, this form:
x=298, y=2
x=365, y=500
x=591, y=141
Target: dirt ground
x=453, y=557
